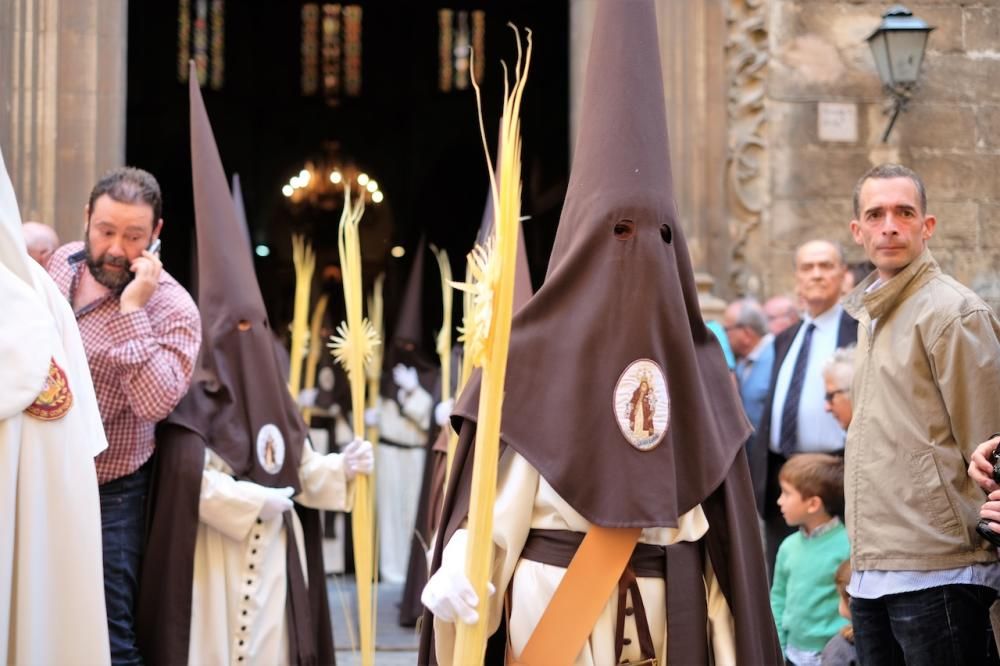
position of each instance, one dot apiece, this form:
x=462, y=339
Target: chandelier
x=321, y=184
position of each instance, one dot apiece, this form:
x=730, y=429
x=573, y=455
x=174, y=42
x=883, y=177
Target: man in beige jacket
x=926, y=390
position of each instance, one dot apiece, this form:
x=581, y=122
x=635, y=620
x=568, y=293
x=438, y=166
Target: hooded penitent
x=408, y=336
x=619, y=308
x=615, y=391
x=240, y=407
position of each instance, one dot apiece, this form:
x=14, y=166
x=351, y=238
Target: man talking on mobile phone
x=141, y=332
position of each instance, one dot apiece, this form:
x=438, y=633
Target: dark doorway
x=423, y=145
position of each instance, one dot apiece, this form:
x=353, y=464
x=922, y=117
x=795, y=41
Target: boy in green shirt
x=804, y=595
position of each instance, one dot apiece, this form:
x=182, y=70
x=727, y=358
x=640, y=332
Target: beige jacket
x=926, y=392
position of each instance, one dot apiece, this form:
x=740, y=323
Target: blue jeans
x=123, y=516
x=949, y=624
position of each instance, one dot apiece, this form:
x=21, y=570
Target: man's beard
x=112, y=279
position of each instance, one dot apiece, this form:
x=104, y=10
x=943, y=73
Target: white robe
x=399, y=474
x=51, y=574
x=525, y=501
x=239, y=585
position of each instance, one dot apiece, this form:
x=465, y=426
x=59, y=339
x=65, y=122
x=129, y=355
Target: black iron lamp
x=898, y=46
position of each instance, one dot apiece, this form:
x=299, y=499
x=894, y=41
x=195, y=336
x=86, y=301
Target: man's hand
x=991, y=511
x=981, y=469
x=450, y=597
x=147, y=269
x=359, y=458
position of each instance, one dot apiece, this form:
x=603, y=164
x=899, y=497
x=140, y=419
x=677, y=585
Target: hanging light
x=326, y=190
x=898, y=46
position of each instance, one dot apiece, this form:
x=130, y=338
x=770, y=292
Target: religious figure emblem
x=56, y=397
x=270, y=449
x=642, y=404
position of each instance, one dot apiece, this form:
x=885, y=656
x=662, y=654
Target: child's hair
x=817, y=475
x=842, y=578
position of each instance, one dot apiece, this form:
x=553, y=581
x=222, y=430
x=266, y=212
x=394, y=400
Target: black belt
x=397, y=445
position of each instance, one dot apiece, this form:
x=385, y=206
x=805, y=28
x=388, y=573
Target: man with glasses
x=838, y=373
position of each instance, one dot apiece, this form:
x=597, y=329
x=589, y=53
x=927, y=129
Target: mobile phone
x=154, y=247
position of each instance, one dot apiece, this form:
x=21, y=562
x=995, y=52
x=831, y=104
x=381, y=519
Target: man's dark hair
x=885, y=171
x=129, y=185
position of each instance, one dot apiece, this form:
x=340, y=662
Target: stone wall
x=950, y=133
x=62, y=103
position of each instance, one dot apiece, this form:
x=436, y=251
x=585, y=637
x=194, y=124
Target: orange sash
x=572, y=612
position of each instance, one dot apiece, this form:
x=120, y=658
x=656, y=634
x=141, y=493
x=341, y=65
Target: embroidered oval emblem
x=55, y=399
x=270, y=448
x=642, y=404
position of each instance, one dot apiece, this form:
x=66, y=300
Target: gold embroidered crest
x=56, y=397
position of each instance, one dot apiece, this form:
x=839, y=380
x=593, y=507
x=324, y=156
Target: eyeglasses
x=830, y=395
x=733, y=327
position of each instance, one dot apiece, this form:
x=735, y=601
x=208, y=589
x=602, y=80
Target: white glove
x=405, y=377
x=359, y=458
x=276, y=502
x=307, y=397
x=450, y=597
x=371, y=417
x=442, y=411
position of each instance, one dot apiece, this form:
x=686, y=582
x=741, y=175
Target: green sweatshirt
x=804, y=597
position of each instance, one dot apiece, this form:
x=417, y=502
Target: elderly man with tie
x=795, y=419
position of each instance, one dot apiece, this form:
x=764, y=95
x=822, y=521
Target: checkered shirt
x=141, y=362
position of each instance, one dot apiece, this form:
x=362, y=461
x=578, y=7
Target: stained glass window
x=201, y=36
x=331, y=51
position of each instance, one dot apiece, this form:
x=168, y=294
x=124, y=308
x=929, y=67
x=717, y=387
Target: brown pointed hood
x=407, y=346
x=410, y=320
x=239, y=400
x=616, y=391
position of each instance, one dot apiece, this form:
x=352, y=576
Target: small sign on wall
x=837, y=121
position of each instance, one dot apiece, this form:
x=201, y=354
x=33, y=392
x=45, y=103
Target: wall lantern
x=898, y=46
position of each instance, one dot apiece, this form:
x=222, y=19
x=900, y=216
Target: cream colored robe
x=399, y=473
x=525, y=501
x=239, y=584
x=51, y=574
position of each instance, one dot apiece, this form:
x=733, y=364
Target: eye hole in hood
x=666, y=234
x=624, y=229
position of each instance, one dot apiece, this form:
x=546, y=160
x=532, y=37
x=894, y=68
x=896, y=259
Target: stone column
x=62, y=96
x=692, y=53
